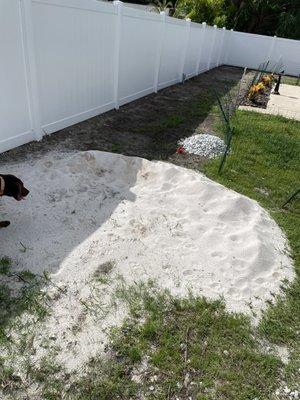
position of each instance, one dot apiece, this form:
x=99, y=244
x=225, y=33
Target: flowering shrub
x=255, y=89
x=267, y=80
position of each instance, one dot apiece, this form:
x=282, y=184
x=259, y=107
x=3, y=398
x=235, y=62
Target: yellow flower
x=254, y=89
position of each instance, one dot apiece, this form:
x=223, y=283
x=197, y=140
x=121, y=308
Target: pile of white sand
x=148, y=220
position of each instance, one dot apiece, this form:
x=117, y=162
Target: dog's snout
x=25, y=192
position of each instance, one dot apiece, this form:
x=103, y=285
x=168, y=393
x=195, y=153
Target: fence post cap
x=203, y=23
x=231, y=30
x=117, y=3
x=224, y=27
x=215, y=26
x=162, y=13
x=188, y=20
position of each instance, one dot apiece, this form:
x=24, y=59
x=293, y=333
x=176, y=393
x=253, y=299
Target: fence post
x=212, y=47
x=30, y=67
x=119, y=7
x=230, y=33
x=271, y=49
x=186, y=44
x=201, y=47
x=221, y=46
x=159, y=50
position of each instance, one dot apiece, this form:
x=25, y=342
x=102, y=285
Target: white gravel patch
x=204, y=145
x=148, y=220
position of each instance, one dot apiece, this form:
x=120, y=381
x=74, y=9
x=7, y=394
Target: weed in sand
x=170, y=347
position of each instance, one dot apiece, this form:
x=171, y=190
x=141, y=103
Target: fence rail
x=64, y=61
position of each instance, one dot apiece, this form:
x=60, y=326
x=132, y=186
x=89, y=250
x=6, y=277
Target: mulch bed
x=261, y=99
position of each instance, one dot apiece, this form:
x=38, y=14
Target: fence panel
x=215, y=47
x=288, y=51
x=207, y=48
x=172, y=52
x=75, y=56
x=64, y=61
x=138, y=53
x=202, y=55
x=247, y=50
x=192, y=54
x=15, y=112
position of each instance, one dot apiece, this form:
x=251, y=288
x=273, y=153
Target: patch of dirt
x=149, y=127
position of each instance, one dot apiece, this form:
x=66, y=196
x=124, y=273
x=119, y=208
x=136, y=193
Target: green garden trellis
x=292, y=197
x=228, y=133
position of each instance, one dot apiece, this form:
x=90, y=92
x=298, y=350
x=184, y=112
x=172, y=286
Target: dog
x=11, y=186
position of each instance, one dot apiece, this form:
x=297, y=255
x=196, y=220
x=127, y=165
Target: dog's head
x=13, y=187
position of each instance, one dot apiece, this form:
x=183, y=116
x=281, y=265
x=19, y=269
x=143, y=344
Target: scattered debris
x=180, y=150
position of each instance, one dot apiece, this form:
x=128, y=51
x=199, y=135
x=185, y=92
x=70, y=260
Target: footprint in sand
x=217, y=254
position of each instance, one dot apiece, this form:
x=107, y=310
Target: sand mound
x=146, y=220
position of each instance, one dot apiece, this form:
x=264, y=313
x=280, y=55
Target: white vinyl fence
x=64, y=61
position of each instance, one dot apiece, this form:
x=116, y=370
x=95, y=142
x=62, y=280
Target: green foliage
x=272, y=17
x=210, y=11
x=162, y=5
x=4, y=265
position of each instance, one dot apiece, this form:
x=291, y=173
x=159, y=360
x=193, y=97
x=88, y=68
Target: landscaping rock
x=204, y=145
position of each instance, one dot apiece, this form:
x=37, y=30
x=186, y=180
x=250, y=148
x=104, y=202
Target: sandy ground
x=94, y=213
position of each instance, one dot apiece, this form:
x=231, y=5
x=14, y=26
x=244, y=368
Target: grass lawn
x=265, y=165
x=192, y=348
x=288, y=80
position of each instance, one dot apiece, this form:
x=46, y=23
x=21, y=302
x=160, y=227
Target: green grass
x=13, y=304
x=19, y=294
x=265, y=165
x=192, y=348
x=288, y=80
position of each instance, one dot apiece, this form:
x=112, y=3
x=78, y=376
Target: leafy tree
x=268, y=17
x=210, y=11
